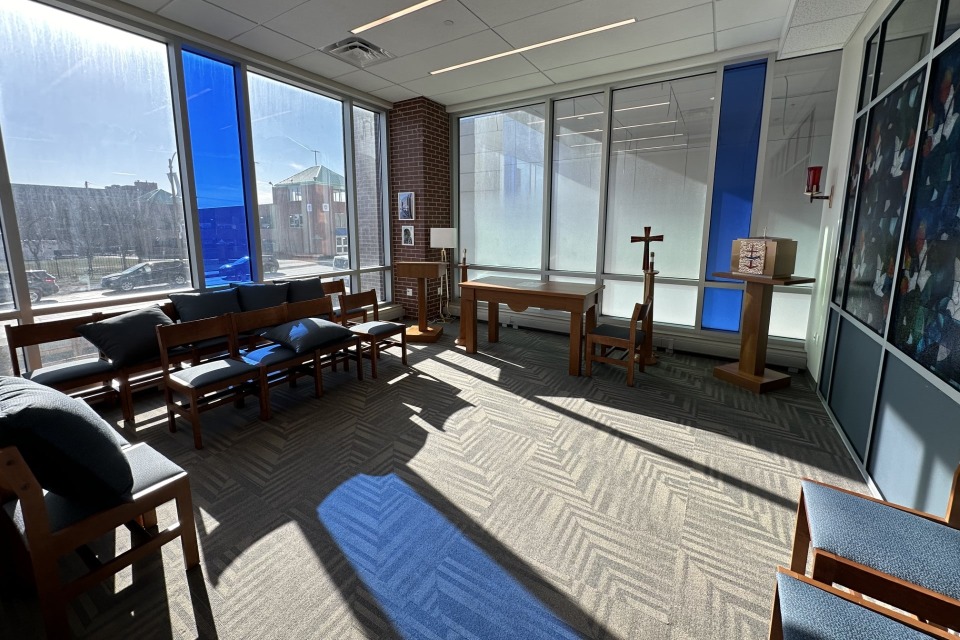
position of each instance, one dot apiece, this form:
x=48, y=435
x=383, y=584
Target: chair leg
x=776, y=623
x=403, y=347
x=188, y=528
x=195, y=420
x=374, y=356
x=359, y=356
x=590, y=351
x=171, y=415
x=264, y=394
x=126, y=400
x=53, y=608
x=317, y=376
x=801, y=539
x=631, y=367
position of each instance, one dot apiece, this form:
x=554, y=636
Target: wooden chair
x=329, y=354
x=900, y=556
x=628, y=339
x=803, y=609
x=46, y=527
x=376, y=334
x=209, y=384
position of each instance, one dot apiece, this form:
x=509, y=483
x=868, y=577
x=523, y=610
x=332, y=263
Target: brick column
x=419, y=151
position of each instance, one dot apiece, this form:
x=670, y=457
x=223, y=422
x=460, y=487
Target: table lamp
x=443, y=238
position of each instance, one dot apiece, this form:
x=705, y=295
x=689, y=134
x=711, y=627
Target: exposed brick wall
x=419, y=150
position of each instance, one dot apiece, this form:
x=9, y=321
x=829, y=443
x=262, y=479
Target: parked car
x=341, y=263
x=147, y=273
x=41, y=284
x=241, y=267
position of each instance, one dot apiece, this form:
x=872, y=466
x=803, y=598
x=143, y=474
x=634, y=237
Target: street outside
x=288, y=269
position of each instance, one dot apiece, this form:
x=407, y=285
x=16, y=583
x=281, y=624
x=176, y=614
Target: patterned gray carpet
x=654, y=512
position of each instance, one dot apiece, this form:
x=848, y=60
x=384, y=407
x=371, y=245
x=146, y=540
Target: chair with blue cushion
x=806, y=610
x=622, y=346
x=209, y=384
x=310, y=329
x=906, y=558
x=376, y=334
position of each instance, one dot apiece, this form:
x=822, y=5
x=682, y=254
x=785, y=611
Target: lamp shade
x=813, y=180
x=443, y=238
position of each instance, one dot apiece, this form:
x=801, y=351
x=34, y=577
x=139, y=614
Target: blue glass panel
x=217, y=168
x=721, y=309
x=734, y=176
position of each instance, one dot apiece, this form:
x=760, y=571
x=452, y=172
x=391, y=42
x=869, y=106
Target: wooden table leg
x=493, y=321
x=576, y=332
x=422, y=304
x=468, y=318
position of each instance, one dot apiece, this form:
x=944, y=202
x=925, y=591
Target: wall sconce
x=813, y=186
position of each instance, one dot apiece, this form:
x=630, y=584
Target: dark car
x=240, y=268
x=41, y=284
x=147, y=273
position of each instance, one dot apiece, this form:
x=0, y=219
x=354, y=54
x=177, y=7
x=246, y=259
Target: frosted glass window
x=675, y=303
x=501, y=187
x=801, y=122
x=907, y=39
x=659, y=155
x=92, y=157
x=788, y=315
x=301, y=189
x=575, y=205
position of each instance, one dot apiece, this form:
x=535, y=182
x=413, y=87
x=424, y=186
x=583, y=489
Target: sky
x=82, y=102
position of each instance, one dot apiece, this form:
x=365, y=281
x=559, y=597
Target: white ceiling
x=455, y=31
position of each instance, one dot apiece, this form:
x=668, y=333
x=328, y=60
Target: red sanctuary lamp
x=813, y=186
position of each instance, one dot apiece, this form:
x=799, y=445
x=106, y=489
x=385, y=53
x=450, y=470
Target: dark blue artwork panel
x=891, y=143
x=926, y=322
x=849, y=210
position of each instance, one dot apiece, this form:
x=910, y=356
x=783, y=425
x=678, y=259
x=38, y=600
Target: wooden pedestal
x=421, y=271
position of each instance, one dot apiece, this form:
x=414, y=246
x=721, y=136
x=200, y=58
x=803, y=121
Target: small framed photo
x=406, y=205
x=406, y=233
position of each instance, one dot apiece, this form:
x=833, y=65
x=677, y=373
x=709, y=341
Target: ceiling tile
x=679, y=25
x=425, y=28
x=148, y=5
x=363, y=80
x=206, y=17
x=322, y=22
x=810, y=11
x=736, y=13
x=750, y=34
x=830, y=34
x=420, y=64
x=500, y=69
x=395, y=93
x=493, y=89
x=322, y=64
x=588, y=14
x=497, y=12
x=634, y=59
x=271, y=43
x=257, y=10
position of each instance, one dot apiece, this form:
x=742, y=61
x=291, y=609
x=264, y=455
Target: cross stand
x=649, y=275
x=462, y=337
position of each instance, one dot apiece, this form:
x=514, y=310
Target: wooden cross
x=646, y=239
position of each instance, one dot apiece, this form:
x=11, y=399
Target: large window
x=87, y=122
x=501, y=187
x=301, y=183
x=368, y=171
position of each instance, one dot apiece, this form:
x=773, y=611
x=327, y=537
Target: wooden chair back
x=28, y=335
x=316, y=308
x=360, y=300
x=16, y=479
x=332, y=287
x=637, y=320
x=182, y=334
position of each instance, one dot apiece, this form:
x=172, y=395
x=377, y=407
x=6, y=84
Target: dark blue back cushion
x=303, y=290
x=129, y=338
x=205, y=304
x=71, y=450
x=261, y=296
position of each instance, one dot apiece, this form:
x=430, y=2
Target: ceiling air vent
x=358, y=52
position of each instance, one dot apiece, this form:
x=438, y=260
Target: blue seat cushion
x=377, y=328
x=618, y=332
x=148, y=466
x=884, y=538
x=268, y=355
x=308, y=334
x=809, y=613
x=62, y=372
x=212, y=372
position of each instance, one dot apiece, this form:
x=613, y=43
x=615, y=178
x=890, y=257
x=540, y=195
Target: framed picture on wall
x=406, y=206
x=406, y=235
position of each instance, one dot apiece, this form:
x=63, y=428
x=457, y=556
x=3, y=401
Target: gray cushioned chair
x=907, y=558
x=614, y=339
x=375, y=335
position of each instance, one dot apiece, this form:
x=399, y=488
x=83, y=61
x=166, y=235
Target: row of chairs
x=880, y=552
x=256, y=366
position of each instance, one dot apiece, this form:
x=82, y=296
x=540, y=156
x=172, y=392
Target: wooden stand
x=421, y=271
x=462, y=337
x=751, y=372
x=649, y=357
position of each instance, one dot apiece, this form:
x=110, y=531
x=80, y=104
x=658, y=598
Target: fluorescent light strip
x=585, y=144
x=579, y=115
x=577, y=133
x=394, y=16
x=669, y=146
x=644, y=106
x=649, y=124
x=597, y=113
x=536, y=46
x=670, y=135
